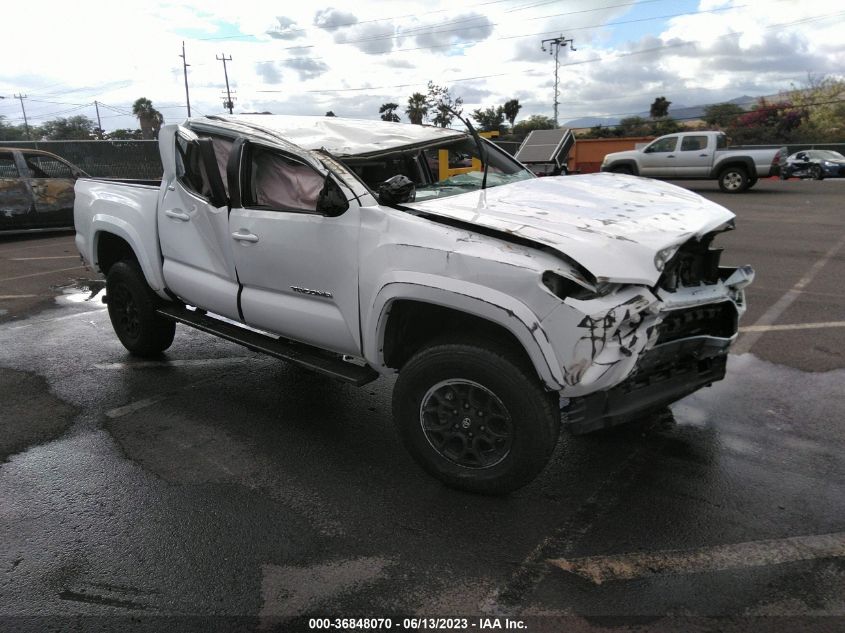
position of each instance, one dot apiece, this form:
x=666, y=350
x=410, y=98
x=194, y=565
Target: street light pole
x=555, y=44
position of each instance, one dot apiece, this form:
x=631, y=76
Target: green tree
x=442, y=104
x=73, y=128
x=722, y=114
x=660, y=108
x=124, y=134
x=769, y=122
x=489, y=119
x=511, y=109
x=417, y=108
x=149, y=118
x=534, y=122
x=823, y=100
x=11, y=132
x=388, y=112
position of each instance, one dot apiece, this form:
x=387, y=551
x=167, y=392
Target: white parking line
x=600, y=569
x=747, y=341
x=2, y=297
x=32, y=259
x=195, y=362
x=791, y=326
x=48, y=272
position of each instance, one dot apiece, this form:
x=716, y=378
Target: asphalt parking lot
x=219, y=490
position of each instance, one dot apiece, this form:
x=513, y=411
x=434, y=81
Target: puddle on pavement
x=79, y=291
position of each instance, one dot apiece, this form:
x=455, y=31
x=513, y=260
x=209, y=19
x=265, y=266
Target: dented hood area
x=611, y=224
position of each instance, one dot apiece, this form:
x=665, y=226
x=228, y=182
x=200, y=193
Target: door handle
x=703, y=155
x=245, y=237
x=671, y=156
x=177, y=215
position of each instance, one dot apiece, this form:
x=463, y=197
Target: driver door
x=658, y=159
x=193, y=220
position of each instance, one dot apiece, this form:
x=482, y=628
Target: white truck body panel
x=331, y=281
x=587, y=217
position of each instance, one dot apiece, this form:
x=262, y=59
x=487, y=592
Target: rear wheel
x=475, y=416
x=132, y=310
x=733, y=180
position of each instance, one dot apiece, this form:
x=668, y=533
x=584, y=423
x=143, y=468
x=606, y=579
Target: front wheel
x=733, y=180
x=623, y=169
x=132, y=310
x=816, y=172
x=475, y=416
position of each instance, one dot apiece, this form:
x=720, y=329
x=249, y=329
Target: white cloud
x=131, y=50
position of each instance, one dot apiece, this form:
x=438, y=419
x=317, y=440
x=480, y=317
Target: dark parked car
x=814, y=163
x=36, y=190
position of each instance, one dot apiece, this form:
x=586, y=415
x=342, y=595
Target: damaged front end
x=639, y=348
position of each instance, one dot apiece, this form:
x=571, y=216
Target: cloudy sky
x=350, y=56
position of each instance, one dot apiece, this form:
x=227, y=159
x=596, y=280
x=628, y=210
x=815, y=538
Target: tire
x=816, y=172
x=751, y=183
x=623, y=169
x=733, y=180
x=132, y=309
x=512, y=439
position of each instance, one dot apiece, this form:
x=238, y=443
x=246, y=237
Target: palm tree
x=511, y=109
x=149, y=118
x=417, y=108
x=388, y=112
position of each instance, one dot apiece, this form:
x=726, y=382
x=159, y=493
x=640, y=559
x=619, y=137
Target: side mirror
x=396, y=190
x=331, y=201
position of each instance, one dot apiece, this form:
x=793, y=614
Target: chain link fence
x=104, y=159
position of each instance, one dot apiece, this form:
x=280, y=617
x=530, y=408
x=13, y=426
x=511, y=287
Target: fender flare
x=149, y=262
x=473, y=299
x=745, y=161
x=627, y=162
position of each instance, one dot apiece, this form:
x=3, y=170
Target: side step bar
x=301, y=354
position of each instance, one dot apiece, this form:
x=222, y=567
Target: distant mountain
x=679, y=112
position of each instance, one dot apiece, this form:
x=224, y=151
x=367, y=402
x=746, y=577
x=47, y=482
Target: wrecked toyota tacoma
x=506, y=303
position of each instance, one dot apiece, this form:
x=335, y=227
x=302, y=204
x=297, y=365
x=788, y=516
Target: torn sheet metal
x=613, y=226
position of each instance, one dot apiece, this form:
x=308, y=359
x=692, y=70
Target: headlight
x=563, y=287
x=827, y=163
x=664, y=256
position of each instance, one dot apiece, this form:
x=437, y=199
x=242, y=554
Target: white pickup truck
x=502, y=300
x=698, y=156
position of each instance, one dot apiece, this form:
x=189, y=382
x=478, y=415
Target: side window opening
x=721, y=141
x=8, y=169
x=190, y=170
x=47, y=167
x=280, y=183
x=693, y=143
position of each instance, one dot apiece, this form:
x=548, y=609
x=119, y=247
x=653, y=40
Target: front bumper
x=649, y=349
x=664, y=375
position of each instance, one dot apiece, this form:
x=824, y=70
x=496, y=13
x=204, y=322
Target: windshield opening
x=448, y=169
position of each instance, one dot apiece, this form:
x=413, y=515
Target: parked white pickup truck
x=698, y=156
x=501, y=299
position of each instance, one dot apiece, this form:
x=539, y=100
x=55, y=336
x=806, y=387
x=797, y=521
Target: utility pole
x=228, y=102
x=99, y=124
x=555, y=44
x=21, y=97
x=185, y=65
